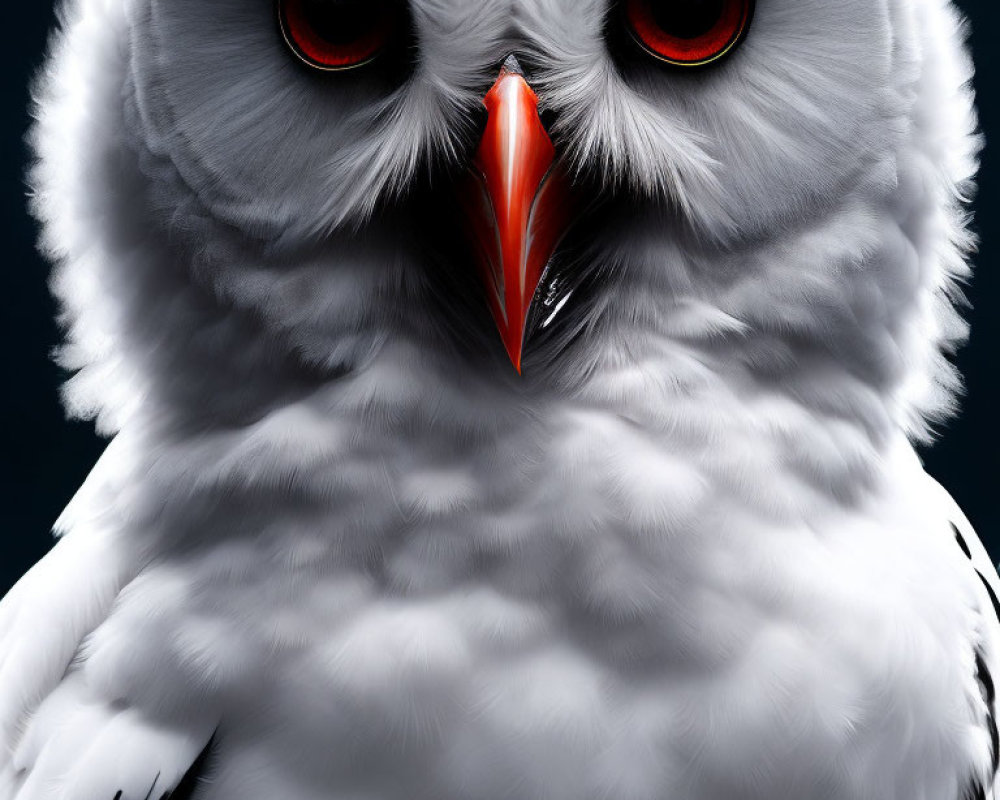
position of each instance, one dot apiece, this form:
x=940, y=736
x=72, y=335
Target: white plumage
x=340, y=547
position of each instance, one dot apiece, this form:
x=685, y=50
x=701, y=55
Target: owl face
x=293, y=146
x=274, y=148
x=731, y=193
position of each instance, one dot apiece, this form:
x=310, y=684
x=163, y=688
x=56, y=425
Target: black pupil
x=342, y=22
x=687, y=19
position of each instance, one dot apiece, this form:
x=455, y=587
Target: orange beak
x=517, y=204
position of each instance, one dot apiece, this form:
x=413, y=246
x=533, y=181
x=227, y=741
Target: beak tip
x=514, y=354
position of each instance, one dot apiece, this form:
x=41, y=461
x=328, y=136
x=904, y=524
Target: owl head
x=628, y=199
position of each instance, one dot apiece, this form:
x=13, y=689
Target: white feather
x=691, y=553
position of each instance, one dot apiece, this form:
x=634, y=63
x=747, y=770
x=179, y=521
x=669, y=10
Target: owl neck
x=659, y=425
x=779, y=368
x=763, y=378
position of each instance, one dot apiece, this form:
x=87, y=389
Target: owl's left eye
x=334, y=35
x=688, y=33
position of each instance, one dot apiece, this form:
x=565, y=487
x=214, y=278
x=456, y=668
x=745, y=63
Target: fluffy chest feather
x=574, y=607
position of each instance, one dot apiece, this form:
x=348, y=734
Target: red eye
x=336, y=34
x=688, y=33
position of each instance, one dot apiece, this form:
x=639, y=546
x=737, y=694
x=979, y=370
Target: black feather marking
x=961, y=541
x=975, y=792
x=975, y=789
x=152, y=786
x=988, y=689
x=195, y=776
x=992, y=594
x=118, y=795
x=985, y=678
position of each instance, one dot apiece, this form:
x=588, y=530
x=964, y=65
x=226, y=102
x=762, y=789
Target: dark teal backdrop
x=44, y=459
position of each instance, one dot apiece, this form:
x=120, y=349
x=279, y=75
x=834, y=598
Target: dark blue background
x=44, y=458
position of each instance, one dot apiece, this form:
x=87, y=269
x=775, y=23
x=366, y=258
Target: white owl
x=342, y=548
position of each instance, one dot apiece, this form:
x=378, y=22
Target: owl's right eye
x=334, y=35
x=688, y=33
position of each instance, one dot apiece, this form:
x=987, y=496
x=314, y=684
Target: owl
x=509, y=399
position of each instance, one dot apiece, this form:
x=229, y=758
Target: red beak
x=516, y=203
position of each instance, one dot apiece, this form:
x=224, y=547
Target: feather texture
x=691, y=553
